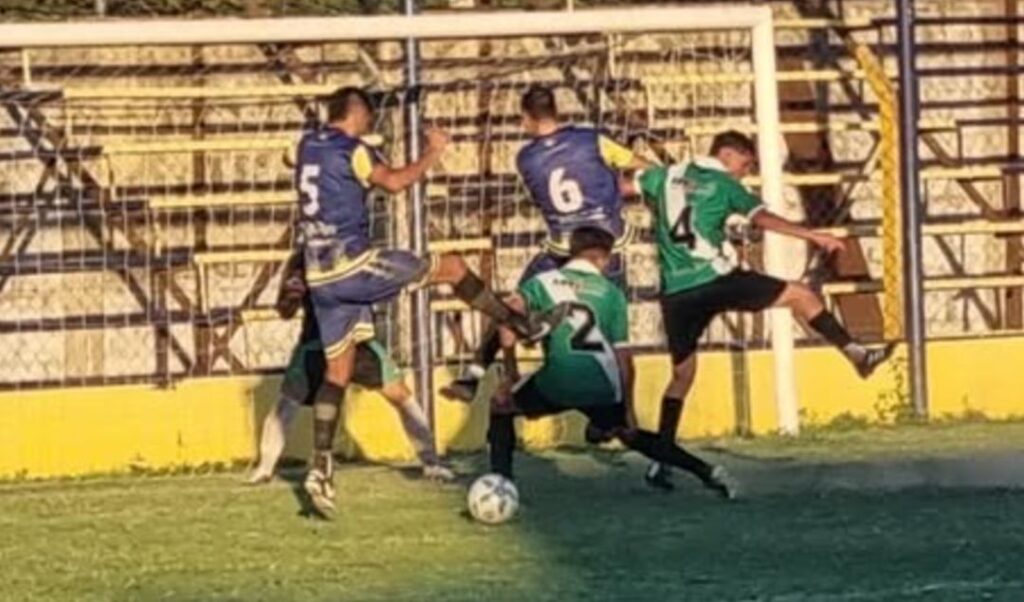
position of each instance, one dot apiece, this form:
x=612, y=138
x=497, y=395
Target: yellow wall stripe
x=69, y=432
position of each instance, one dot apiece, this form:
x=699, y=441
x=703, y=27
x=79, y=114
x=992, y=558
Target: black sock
x=668, y=422
x=489, y=348
x=657, y=448
x=827, y=326
x=475, y=293
x=326, y=411
x=501, y=438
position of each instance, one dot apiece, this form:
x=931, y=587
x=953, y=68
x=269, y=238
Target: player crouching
x=586, y=365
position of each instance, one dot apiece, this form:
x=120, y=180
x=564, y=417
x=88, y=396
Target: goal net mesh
x=147, y=198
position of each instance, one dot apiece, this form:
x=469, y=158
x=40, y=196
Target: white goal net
x=147, y=196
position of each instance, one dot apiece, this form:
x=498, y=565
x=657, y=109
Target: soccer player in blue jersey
x=304, y=375
x=572, y=175
x=335, y=171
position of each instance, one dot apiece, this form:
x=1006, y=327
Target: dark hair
x=734, y=140
x=343, y=99
x=587, y=238
x=539, y=103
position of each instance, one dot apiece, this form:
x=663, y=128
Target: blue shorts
x=545, y=261
x=343, y=297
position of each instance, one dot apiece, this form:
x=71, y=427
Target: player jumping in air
x=691, y=202
x=586, y=366
x=346, y=276
x=305, y=374
x=571, y=174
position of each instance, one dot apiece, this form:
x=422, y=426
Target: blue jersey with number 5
x=332, y=177
x=569, y=173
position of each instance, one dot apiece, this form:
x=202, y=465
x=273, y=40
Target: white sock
x=855, y=352
x=274, y=435
x=417, y=429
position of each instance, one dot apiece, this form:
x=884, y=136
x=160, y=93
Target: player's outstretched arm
x=767, y=220
x=397, y=179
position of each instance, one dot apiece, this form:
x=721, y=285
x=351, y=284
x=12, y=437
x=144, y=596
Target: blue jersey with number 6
x=332, y=176
x=570, y=175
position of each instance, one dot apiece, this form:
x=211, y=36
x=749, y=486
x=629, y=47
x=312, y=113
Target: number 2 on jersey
x=564, y=192
x=309, y=190
x=583, y=336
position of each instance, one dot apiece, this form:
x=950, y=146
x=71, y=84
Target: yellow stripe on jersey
x=360, y=333
x=614, y=154
x=362, y=165
x=315, y=277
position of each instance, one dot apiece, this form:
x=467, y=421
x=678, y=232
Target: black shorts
x=686, y=314
x=531, y=402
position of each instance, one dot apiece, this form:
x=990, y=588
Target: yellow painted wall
x=80, y=431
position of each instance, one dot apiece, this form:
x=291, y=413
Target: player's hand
x=828, y=243
x=437, y=140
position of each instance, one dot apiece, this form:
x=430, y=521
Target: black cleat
x=536, y=326
x=722, y=483
x=659, y=476
x=462, y=389
x=874, y=358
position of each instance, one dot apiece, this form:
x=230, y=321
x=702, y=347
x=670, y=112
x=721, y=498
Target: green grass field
x=890, y=514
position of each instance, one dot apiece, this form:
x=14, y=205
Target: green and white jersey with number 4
x=580, y=367
x=691, y=203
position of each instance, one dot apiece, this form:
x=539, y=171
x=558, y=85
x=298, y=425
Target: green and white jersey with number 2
x=580, y=367
x=691, y=203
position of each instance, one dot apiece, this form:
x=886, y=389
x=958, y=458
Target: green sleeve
x=532, y=292
x=618, y=328
x=651, y=183
x=740, y=199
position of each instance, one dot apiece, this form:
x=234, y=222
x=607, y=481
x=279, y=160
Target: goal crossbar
x=391, y=27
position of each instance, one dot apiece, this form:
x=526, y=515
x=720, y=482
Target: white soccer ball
x=493, y=499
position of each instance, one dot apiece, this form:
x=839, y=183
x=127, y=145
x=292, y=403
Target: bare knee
x=801, y=299
x=682, y=377
x=339, y=368
x=450, y=269
x=397, y=393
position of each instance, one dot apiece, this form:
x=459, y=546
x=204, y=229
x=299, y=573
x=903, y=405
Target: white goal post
x=755, y=20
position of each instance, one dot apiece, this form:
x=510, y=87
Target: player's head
x=736, y=151
x=593, y=244
x=352, y=108
x=539, y=108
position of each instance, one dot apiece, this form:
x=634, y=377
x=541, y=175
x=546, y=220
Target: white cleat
x=723, y=483
x=320, y=488
x=439, y=473
x=259, y=477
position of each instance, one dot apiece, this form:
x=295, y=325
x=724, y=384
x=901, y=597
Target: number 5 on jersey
x=309, y=190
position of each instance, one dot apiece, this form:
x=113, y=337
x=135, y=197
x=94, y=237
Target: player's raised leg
x=468, y=287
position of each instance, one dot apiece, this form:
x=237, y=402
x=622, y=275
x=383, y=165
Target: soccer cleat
x=439, y=473
x=320, y=487
x=722, y=483
x=462, y=389
x=536, y=326
x=658, y=476
x=259, y=477
x=874, y=358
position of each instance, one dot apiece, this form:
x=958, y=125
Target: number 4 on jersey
x=682, y=230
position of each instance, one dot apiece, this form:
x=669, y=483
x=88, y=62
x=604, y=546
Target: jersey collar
x=709, y=163
x=581, y=265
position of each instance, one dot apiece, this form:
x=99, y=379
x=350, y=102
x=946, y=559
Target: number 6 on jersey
x=565, y=193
